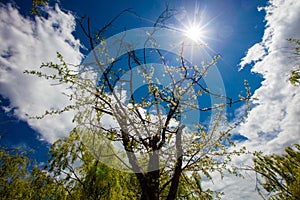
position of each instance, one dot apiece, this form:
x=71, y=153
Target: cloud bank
x=25, y=44
x=273, y=123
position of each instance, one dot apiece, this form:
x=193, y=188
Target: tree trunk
x=149, y=181
x=177, y=171
x=150, y=185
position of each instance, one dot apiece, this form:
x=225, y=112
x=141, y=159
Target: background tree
x=71, y=173
x=147, y=139
x=20, y=178
x=83, y=176
x=280, y=174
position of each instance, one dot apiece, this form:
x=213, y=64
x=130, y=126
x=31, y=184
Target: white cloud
x=275, y=118
x=255, y=53
x=25, y=44
x=273, y=123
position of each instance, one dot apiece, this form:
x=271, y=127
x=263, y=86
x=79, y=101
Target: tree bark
x=177, y=171
x=150, y=186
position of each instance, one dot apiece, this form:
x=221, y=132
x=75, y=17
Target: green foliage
x=36, y=6
x=75, y=174
x=295, y=76
x=21, y=179
x=280, y=173
x=83, y=176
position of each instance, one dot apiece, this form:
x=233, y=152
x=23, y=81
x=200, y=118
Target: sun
x=194, y=33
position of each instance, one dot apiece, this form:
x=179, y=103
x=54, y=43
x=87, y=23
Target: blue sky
x=247, y=34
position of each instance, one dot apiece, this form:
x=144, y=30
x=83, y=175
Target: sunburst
x=194, y=32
